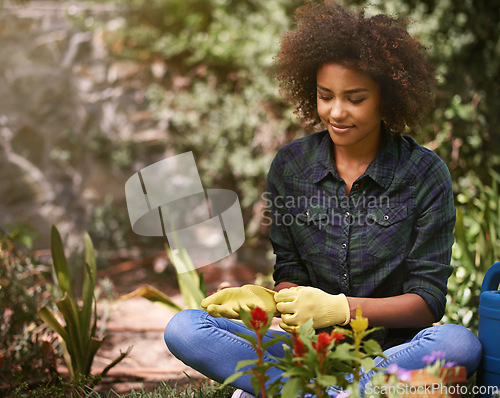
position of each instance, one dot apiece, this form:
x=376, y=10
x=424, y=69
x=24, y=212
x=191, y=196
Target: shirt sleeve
x=428, y=262
x=288, y=266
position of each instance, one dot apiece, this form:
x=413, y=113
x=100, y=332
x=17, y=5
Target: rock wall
x=70, y=116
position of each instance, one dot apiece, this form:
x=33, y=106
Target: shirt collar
x=381, y=169
x=324, y=163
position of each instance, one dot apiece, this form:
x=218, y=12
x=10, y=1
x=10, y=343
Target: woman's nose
x=337, y=112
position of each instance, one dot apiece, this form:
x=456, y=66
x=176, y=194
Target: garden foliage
x=78, y=335
x=25, y=352
x=207, y=69
x=216, y=95
x=211, y=87
x=317, y=364
x=313, y=363
x=218, y=98
x=477, y=247
x=191, y=284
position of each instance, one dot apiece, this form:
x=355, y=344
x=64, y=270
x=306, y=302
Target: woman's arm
x=284, y=285
x=405, y=311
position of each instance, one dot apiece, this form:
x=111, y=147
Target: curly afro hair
x=379, y=46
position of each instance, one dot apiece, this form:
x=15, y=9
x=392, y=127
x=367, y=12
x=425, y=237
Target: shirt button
x=356, y=186
x=344, y=245
x=347, y=214
x=386, y=217
x=344, y=276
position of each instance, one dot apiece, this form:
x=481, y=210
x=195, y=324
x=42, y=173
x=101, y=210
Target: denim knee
x=178, y=332
x=461, y=346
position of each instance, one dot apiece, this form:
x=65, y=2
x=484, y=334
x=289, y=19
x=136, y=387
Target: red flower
x=299, y=349
x=324, y=340
x=259, y=318
x=337, y=337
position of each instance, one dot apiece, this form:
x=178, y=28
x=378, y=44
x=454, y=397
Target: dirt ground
x=139, y=324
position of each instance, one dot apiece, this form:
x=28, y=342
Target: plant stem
x=260, y=357
x=357, y=345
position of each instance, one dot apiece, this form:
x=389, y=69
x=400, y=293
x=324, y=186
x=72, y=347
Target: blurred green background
x=93, y=91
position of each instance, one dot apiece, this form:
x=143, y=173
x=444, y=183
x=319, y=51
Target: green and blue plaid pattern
x=391, y=235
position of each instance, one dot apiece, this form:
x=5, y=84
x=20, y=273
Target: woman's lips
x=341, y=128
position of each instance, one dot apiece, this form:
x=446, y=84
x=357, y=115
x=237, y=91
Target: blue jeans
x=210, y=346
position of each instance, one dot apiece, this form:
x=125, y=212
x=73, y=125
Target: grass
x=205, y=390
x=64, y=389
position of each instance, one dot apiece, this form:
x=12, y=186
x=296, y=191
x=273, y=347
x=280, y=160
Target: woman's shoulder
x=421, y=161
x=304, y=144
x=302, y=152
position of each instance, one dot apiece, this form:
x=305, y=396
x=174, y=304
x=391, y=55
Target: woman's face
x=349, y=106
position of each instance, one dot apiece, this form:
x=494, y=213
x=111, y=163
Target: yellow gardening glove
x=227, y=302
x=298, y=304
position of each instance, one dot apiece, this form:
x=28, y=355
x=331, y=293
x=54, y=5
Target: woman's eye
x=323, y=97
x=357, y=100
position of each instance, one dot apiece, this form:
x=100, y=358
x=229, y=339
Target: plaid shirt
x=391, y=235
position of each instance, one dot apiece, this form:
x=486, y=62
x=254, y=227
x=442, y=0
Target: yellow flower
x=359, y=324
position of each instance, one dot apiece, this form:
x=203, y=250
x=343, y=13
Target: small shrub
x=79, y=335
x=477, y=247
x=25, y=353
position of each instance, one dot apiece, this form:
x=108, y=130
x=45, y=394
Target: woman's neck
x=352, y=162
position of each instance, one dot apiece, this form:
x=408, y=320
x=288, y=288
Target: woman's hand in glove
x=298, y=304
x=227, y=302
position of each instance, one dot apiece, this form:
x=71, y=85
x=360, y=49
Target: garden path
x=140, y=323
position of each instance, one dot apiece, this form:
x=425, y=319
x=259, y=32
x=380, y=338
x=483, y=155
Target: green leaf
x=67, y=357
x=154, y=295
x=367, y=363
x=246, y=362
x=292, y=388
x=270, y=316
x=46, y=315
x=326, y=380
x=76, y=342
x=254, y=381
x=89, y=282
x=248, y=337
x=344, y=352
x=298, y=371
x=273, y=341
x=370, y=331
x=93, y=347
x=235, y=376
x=274, y=389
x=245, y=317
x=462, y=239
x=60, y=262
x=306, y=331
x=190, y=284
x=202, y=287
x=372, y=347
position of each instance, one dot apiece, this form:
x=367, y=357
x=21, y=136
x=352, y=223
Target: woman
x=362, y=215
